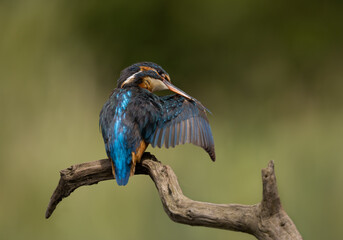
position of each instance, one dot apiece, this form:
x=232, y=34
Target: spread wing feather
x=182, y=121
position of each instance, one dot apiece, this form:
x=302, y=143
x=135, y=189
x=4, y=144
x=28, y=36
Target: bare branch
x=265, y=220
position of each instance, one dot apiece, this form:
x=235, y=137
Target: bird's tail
x=121, y=174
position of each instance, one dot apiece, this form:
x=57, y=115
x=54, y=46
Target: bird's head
x=150, y=76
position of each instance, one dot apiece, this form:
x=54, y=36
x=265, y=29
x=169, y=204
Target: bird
x=134, y=117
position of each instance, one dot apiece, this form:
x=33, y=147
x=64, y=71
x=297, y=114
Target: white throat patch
x=129, y=79
x=157, y=85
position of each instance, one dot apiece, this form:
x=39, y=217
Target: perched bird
x=134, y=117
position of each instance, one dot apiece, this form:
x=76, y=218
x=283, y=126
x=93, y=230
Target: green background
x=270, y=72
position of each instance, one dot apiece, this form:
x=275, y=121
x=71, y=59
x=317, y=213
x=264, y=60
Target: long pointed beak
x=177, y=90
x=182, y=93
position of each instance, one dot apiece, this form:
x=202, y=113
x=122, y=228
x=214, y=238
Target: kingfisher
x=134, y=117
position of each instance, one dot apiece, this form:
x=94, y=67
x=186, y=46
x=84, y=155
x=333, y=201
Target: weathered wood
x=265, y=220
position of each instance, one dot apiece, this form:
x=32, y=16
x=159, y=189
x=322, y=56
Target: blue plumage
x=134, y=117
x=116, y=132
x=119, y=151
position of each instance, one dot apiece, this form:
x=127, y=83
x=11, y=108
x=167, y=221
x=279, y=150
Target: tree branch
x=265, y=220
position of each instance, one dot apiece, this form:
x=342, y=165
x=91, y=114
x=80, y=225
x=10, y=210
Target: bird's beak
x=171, y=87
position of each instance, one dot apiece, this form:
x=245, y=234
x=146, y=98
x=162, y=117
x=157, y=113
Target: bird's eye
x=161, y=73
x=165, y=76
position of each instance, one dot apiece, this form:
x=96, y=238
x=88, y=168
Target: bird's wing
x=182, y=121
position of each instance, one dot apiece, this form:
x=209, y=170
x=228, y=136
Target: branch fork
x=265, y=220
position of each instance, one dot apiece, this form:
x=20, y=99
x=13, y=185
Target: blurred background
x=270, y=72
